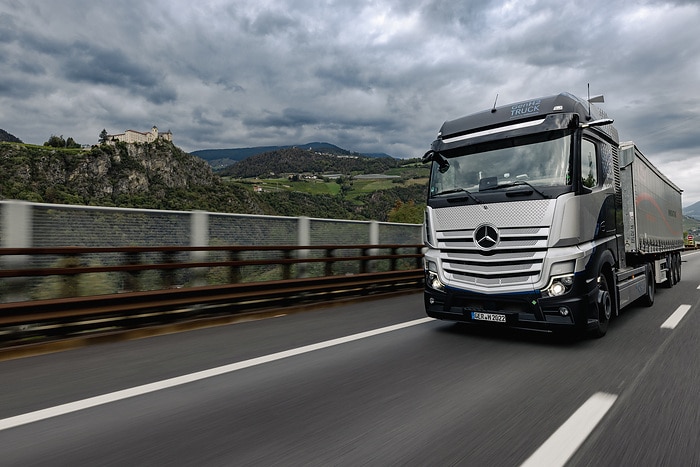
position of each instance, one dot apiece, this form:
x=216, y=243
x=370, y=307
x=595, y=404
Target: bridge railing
x=116, y=234
x=59, y=262
x=80, y=309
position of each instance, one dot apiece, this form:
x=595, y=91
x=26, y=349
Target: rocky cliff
x=100, y=174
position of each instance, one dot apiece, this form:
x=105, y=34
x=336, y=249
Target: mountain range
x=692, y=211
x=220, y=158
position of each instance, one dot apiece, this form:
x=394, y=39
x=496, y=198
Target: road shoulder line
x=564, y=442
x=43, y=414
x=676, y=317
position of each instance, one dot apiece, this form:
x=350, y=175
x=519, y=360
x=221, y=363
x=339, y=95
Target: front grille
x=523, y=230
x=516, y=259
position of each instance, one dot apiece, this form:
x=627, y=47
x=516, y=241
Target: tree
x=103, y=136
x=56, y=142
x=70, y=143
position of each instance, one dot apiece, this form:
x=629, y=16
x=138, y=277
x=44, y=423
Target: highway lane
x=429, y=393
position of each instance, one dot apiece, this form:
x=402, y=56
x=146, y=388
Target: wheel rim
x=604, y=300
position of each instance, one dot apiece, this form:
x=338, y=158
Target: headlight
x=433, y=281
x=559, y=286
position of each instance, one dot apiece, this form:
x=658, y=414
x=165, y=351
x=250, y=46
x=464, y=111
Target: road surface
x=374, y=383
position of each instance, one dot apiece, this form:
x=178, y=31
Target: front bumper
x=528, y=311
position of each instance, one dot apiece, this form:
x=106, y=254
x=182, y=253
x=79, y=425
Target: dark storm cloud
x=286, y=118
x=370, y=76
x=270, y=23
x=94, y=65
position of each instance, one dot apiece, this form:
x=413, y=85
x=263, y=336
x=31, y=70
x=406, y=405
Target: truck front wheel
x=648, y=299
x=604, y=304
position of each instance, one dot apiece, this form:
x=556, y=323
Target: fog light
x=564, y=311
x=431, y=300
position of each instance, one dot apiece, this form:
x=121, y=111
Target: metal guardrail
x=66, y=316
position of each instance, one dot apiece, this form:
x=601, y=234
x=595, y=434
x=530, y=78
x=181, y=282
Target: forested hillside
x=161, y=176
x=297, y=160
x=219, y=158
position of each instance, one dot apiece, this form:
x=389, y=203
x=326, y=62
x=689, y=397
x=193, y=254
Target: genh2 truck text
x=539, y=218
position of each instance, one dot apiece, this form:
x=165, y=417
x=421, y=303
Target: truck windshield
x=539, y=161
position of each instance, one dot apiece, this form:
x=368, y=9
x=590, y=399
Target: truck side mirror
x=431, y=155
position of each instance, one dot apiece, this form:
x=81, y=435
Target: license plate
x=477, y=315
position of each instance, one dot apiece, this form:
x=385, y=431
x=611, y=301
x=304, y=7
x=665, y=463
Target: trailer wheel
x=672, y=264
x=604, y=304
x=648, y=299
x=677, y=263
x=668, y=283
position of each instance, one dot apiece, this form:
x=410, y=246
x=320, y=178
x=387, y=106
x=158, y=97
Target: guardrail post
x=287, y=267
x=168, y=275
x=304, y=239
x=373, y=240
x=364, y=263
x=131, y=278
x=234, y=272
x=16, y=233
x=392, y=262
x=199, y=226
x=329, y=264
x=70, y=282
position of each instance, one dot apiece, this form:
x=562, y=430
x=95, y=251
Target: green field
x=409, y=175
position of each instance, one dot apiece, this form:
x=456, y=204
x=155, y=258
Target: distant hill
x=692, y=211
x=220, y=158
x=8, y=138
x=295, y=160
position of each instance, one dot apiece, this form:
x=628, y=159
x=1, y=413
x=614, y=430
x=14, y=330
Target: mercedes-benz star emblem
x=486, y=236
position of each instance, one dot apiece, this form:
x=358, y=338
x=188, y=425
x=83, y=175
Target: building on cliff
x=131, y=136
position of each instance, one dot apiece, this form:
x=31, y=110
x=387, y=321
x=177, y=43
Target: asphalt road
x=345, y=386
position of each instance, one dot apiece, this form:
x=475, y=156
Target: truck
x=539, y=218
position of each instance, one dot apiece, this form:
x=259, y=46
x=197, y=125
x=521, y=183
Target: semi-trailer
x=539, y=218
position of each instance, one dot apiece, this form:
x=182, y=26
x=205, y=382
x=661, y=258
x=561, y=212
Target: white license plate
x=477, y=315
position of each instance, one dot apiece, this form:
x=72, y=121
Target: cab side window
x=589, y=167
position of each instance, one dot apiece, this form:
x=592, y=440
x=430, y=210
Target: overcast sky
x=368, y=76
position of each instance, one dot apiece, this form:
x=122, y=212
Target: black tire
x=677, y=262
x=605, y=307
x=672, y=268
x=648, y=299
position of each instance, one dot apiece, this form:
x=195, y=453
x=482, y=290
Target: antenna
x=494, y=104
x=589, y=101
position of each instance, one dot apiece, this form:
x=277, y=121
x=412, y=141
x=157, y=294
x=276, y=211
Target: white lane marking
x=559, y=448
x=676, y=317
x=70, y=407
x=698, y=287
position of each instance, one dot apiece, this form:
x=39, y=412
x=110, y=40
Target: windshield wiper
x=459, y=190
x=515, y=183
